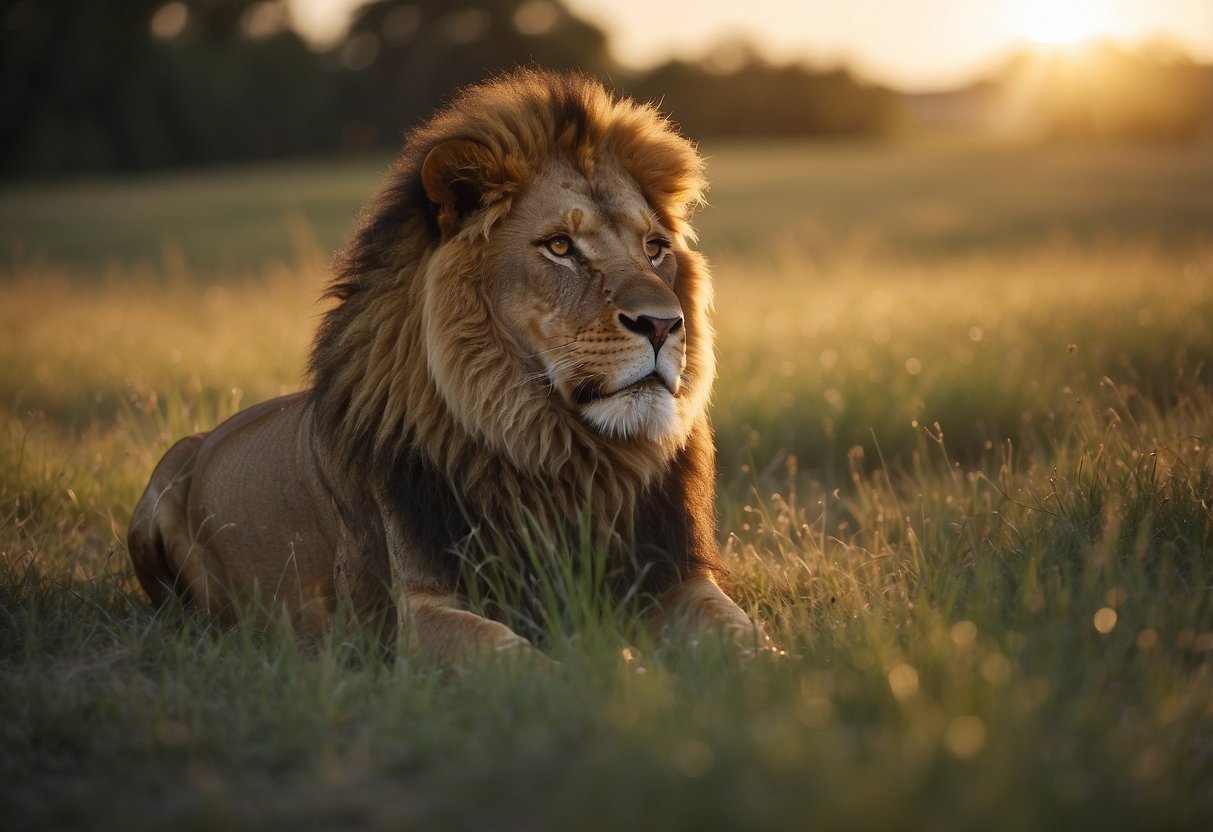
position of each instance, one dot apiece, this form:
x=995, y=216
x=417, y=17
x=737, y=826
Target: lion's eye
x=655, y=248
x=560, y=245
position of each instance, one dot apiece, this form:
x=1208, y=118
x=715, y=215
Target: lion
x=519, y=339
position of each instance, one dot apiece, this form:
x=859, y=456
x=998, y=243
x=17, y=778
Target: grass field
x=964, y=417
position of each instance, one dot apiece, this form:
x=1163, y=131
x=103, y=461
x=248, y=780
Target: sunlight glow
x=921, y=45
x=965, y=736
x=903, y=681
x=1051, y=23
x=169, y=20
x=1105, y=620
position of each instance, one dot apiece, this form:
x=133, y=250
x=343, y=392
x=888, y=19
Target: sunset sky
x=913, y=44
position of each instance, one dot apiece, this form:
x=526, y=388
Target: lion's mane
x=416, y=394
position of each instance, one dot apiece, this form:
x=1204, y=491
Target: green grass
x=966, y=482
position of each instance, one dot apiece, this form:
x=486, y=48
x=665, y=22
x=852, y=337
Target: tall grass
x=970, y=495
x=868, y=351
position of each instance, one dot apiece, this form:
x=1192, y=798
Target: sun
x=1052, y=23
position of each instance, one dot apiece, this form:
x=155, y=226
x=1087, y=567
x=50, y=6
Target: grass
x=968, y=486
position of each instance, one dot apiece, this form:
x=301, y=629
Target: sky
x=911, y=44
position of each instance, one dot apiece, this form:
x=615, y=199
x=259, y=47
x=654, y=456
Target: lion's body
x=520, y=344
x=257, y=471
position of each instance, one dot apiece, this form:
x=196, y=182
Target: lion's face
x=585, y=276
x=560, y=303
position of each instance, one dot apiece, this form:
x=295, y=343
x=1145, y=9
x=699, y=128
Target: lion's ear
x=457, y=175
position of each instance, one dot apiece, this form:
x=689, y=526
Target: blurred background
x=146, y=84
x=227, y=131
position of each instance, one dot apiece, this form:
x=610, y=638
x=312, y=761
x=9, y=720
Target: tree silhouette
x=152, y=83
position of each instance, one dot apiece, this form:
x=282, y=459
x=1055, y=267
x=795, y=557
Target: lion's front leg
x=700, y=606
x=435, y=624
x=430, y=615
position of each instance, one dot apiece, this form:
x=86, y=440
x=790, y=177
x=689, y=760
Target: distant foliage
x=1105, y=92
x=761, y=99
x=400, y=60
x=147, y=83
x=95, y=86
x=139, y=84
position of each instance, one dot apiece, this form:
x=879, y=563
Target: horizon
x=926, y=46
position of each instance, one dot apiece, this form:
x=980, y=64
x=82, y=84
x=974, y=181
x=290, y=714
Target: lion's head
x=525, y=286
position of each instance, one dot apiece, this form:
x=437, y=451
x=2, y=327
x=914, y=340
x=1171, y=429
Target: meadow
x=964, y=417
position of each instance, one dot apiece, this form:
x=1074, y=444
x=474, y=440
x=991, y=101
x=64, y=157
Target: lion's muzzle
x=655, y=329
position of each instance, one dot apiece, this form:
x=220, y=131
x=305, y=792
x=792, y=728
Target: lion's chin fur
x=647, y=411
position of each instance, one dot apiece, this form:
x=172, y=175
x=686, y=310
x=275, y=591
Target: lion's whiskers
x=546, y=375
x=539, y=375
x=553, y=349
x=549, y=374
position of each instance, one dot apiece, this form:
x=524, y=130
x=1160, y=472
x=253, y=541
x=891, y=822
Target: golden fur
x=520, y=344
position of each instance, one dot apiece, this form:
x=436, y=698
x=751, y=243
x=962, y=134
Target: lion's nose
x=655, y=329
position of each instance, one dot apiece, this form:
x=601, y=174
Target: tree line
x=141, y=84
x=147, y=83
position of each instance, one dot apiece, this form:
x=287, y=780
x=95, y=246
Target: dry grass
x=999, y=616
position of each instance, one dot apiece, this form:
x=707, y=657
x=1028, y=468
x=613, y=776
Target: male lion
x=520, y=342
